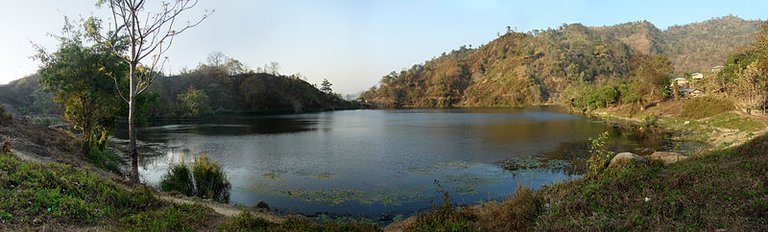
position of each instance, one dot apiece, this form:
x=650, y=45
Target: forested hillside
x=550, y=66
x=206, y=90
x=210, y=91
x=696, y=47
x=26, y=95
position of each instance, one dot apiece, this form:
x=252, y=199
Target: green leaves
x=82, y=79
x=196, y=102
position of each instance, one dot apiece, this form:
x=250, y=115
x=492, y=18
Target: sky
x=352, y=43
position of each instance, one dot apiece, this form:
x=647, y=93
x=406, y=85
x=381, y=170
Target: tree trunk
x=131, y=127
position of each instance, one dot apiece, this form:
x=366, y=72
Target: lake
x=383, y=163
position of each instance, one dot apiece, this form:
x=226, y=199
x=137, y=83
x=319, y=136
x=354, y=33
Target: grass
x=182, y=217
x=247, y=222
x=104, y=159
x=724, y=189
x=721, y=190
x=444, y=218
x=734, y=121
x=704, y=107
x=58, y=195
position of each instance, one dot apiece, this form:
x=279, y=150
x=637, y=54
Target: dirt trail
x=226, y=210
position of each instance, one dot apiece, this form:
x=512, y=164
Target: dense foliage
x=82, y=78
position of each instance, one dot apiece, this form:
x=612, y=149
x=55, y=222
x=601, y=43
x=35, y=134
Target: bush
x=210, y=180
x=206, y=179
x=588, y=97
x=705, y=107
x=599, y=156
x=179, y=178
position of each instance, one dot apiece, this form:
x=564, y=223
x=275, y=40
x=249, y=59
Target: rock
x=625, y=157
x=667, y=157
x=262, y=205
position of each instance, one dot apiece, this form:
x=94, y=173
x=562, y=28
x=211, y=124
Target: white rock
x=667, y=157
x=625, y=157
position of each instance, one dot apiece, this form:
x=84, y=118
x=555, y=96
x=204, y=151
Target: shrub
x=599, y=155
x=210, y=180
x=705, y=107
x=179, y=178
x=206, y=179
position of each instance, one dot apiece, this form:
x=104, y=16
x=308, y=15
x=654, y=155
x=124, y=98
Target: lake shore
x=530, y=206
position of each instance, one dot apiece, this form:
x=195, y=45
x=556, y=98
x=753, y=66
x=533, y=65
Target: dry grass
x=705, y=107
x=725, y=189
x=517, y=213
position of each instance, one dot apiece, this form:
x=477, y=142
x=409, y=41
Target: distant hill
x=26, y=96
x=536, y=67
x=696, y=47
x=255, y=93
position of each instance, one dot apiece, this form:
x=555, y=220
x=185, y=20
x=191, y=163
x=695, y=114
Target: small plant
x=599, y=156
x=4, y=116
x=5, y=147
x=206, y=179
x=650, y=121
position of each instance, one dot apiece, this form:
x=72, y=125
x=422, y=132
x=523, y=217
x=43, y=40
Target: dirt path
x=226, y=210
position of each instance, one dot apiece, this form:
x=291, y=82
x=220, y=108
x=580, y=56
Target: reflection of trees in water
x=642, y=141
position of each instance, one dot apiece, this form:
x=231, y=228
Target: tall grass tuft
x=210, y=180
x=205, y=179
x=179, y=178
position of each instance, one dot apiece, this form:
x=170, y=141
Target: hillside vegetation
x=538, y=67
x=201, y=92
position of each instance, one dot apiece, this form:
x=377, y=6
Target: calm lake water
x=380, y=163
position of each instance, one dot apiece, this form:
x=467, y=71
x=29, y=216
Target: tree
x=751, y=82
x=216, y=59
x=326, y=86
x=652, y=73
x=196, y=101
x=83, y=79
x=141, y=37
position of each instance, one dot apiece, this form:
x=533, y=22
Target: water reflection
x=374, y=163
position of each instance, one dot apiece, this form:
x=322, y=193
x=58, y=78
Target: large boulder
x=667, y=157
x=625, y=157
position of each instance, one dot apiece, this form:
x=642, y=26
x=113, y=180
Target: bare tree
x=142, y=37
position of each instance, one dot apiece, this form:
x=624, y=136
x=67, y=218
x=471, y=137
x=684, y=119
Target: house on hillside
x=682, y=82
x=717, y=69
x=692, y=92
x=697, y=76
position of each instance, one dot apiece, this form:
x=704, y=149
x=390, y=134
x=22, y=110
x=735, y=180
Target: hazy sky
x=352, y=43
